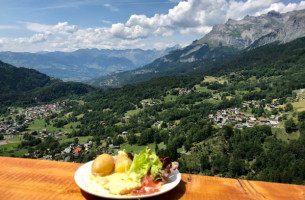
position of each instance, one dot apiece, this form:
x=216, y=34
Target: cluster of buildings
x=272, y=106
x=39, y=112
x=76, y=150
x=23, y=117
x=71, y=152
x=240, y=119
x=183, y=91
x=44, y=134
x=147, y=103
x=11, y=127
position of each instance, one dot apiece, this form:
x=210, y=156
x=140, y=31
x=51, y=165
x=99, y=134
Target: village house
x=219, y=119
x=59, y=133
x=157, y=124
x=144, y=102
x=111, y=146
x=47, y=157
x=184, y=91
x=223, y=113
x=263, y=120
x=126, y=117
x=76, y=152
x=57, y=154
x=67, y=150
x=124, y=133
x=88, y=145
x=274, y=123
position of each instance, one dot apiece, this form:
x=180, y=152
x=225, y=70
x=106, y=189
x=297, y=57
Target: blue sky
x=68, y=25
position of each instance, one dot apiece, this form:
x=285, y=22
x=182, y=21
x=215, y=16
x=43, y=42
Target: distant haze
x=83, y=64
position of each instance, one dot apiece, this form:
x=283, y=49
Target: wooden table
x=31, y=179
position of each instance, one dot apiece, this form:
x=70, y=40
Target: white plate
x=82, y=179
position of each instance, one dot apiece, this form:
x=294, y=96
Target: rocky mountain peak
x=273, y=13
x=257, y=31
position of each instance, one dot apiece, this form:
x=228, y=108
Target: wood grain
x=38, y=179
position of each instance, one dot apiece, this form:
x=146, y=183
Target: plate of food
x=127, y=176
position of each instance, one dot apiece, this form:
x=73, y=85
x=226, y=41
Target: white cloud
x=197, y=30
x=185, y=22
x=238, y=9
x=38, y=38
x=60, y=28
x=282, y=8
x=128, y=32
x=112, y=8
x=106, y=21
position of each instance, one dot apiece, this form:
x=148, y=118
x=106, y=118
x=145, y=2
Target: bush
x=290, y=126
x=301, y=116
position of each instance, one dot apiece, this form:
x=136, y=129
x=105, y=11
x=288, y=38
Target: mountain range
x=83, y=64
x=223, y=43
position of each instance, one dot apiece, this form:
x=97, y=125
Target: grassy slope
x=40, y=125
x=137, y=148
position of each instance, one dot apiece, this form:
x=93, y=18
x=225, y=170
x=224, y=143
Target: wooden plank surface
x=38, y=179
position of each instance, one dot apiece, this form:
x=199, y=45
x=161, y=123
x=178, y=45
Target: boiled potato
x=102, y=165
x=122, y=163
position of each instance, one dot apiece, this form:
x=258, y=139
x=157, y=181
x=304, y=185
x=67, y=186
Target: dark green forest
x=13, y=79
x=25, y=87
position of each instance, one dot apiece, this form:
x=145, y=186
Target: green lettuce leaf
x=156, y=166
x=143, y=162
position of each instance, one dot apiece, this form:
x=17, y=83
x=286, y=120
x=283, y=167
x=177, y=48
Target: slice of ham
x=149, y=186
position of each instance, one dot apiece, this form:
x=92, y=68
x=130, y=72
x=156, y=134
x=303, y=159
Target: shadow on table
x=174, y=194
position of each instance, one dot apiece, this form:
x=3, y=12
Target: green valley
x=245, y=119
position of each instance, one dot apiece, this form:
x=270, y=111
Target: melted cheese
x=117, y=183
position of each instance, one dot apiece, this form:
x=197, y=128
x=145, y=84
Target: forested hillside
x=13, y=79
x=189, y=60
x=24, y=87
x=277, y=69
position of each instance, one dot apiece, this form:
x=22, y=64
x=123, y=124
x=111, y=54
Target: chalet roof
x=77, y=150
x=263, y=120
